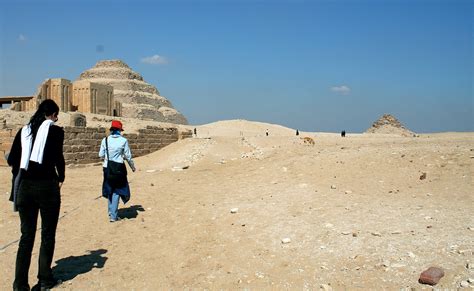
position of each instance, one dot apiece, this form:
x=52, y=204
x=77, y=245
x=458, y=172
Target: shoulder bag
x=116, y=172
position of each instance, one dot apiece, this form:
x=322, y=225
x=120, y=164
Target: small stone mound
x=388, y=124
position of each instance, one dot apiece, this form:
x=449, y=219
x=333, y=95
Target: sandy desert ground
x=355, y=210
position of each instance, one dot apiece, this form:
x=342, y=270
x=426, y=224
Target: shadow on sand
x=68, y=268
x=130, y=212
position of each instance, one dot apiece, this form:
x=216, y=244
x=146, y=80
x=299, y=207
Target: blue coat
x=107, y=190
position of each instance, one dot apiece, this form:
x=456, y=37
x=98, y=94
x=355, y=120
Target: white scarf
x=35, y=154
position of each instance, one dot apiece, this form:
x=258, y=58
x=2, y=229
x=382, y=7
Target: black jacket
x=53, y=166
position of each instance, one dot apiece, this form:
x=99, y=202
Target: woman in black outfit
x=38, y=154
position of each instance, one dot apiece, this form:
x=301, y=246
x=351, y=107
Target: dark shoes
x=45, y=286
x=114, y=220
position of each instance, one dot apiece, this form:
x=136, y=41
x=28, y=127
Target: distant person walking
x=38, y=165
x=266, y=132
x=297, y=133
x=114, y=149
x=343, y=133
x=195, y=132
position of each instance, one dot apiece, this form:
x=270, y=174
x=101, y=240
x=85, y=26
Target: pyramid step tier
x=126, y=85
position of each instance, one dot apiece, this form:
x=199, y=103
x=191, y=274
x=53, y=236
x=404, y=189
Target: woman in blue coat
x=115, y=148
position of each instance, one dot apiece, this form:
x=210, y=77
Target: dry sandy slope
x=180, y=232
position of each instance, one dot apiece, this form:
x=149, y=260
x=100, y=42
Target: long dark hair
x=46, y=108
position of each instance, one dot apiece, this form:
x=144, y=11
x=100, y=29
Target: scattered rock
x=151, y=184
x=396, y=232
x=374, y=233
x=151, y=171
x=234, y=210
x=463, y=252
x=431, y=276
x=423, y=176
x=325, y=287
x=333, y=186
x=259, y=275
x=348, y=192
x=464, y=284
x=346, y=232
x=286, y=240
x=469, y=266
x=397, y=265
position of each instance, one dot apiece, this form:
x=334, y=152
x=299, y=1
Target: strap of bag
x=107, y=149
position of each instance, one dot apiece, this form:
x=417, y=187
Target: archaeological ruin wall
x=82, y=96
x=94, y=98
x=81, y=144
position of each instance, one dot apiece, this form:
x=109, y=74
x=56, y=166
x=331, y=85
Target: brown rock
x=423, y=176
x=431, y=276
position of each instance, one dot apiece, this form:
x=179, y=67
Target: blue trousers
x=113, y=202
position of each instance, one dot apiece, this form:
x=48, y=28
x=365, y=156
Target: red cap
x=116, y=124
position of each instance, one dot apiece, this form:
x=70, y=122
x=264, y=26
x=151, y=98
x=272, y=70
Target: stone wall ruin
x=81, y=144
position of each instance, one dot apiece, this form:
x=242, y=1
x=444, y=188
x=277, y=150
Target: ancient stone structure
x=57, y=89
x=109, y=88
x=139, y=99
x=93, y=97
x=17, y=103
x=83, y=96
x=388, y=124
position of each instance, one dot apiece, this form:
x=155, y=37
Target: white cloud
x=343, y=89
x=21, y=37
x=155, y=60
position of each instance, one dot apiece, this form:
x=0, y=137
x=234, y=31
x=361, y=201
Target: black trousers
x=37, y=196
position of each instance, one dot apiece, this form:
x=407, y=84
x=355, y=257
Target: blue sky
x=311, y=65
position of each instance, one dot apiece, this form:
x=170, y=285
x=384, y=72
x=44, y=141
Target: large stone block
x=3, y=161
x=431, y=276
x=74, y=129
x=6, y=133
x=131, y=136
x=98, y=136
x=68, y=156
x=6, y=146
